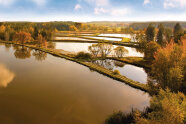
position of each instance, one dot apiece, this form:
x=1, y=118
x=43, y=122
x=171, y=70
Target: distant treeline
x=62, y=26
x=140, y=26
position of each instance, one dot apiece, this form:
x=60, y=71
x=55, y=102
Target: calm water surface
x=105, y=38
x=130, y=71
x=78, y=47
x=37, y=88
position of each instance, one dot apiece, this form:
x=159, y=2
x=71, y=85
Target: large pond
x=131, y=36
x=36, y=88
x=116, y=35
x=72, y=38
x=130, y=71
x=77, y=47
x=104, y=38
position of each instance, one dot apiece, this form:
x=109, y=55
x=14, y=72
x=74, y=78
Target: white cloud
x=174, y=3
x=39, y=2
x=6, y=2
x=98, y=11
x=77, y=6
x=120, y=11
x=97, y=2
x=146, y=2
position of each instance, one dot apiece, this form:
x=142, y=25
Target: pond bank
x=90, y=65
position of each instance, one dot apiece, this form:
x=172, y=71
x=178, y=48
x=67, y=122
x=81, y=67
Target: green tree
x=178, y=32
x=150, y=50
x=168, y=34
x=160, y=35
x=150, y=33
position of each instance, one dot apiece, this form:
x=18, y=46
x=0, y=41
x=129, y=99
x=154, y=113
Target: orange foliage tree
x=168, y=67
x=22, y=37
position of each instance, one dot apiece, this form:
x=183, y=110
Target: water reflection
x=105, y=38
x=60, y=91
x=39, y=55
x=7, y=46
x=6, y=76
x=78, y=47
x=22, y=52
x=130, y=71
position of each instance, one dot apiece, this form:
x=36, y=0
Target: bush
x=120, y=118
x=83, y=55
x=116, y=72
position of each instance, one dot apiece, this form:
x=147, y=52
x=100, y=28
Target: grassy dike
x=90, y=65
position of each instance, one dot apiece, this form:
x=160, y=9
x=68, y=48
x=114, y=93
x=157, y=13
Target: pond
x=131, y=36
x=104, y=38
x=130, y=71
x=78, y=47
x=36, y=88
x=72, y=38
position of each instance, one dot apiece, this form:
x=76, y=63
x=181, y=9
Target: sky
x=92, y=10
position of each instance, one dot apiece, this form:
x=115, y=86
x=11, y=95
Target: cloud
x=39, y=2
x=146, y=2
x=6, y=76
x=6, y=2
x=98, y=11
x=174, y=3
x=97, y=2
x=77, y=6
x=120, y=11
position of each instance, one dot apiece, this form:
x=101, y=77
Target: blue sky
x=92, y=10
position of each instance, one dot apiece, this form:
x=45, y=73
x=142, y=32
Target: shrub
x=120, y=118
x=83, y=55
x=116, y=72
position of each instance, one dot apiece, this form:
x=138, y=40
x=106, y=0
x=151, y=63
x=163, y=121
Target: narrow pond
x=130, y=71
x=78, y=47
x=104, y=38
x=36, y=88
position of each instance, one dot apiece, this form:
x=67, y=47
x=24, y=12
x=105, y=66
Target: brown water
x=37, y=88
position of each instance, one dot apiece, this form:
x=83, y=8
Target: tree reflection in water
x=107, y=63
x=22, y=52
x=39, y=55
x=119, y=64
x=7, y=46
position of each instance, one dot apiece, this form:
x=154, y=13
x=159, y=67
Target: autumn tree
x=178, y=32
x=41, y=40
x=168, y=66
x=150, y=33
x=105, y=49
x=94, y=50
x=22, y=37
x=120, y=51
x=166, y=107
